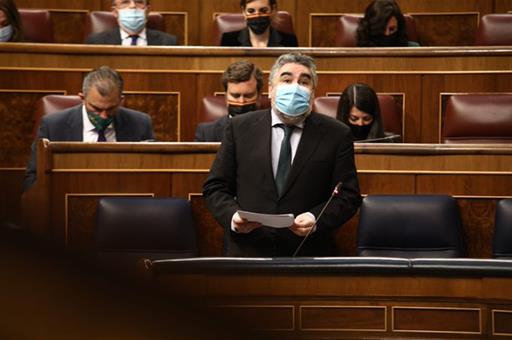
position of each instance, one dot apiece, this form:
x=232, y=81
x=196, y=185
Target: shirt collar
x=125, y=35
x=276, y=120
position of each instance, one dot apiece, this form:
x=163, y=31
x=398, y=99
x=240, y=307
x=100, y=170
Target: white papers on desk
x=268, y=220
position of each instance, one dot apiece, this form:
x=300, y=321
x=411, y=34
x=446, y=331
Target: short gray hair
x=295, y=58
x=104, y=79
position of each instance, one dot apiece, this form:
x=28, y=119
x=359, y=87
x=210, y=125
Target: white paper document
x=268, y=220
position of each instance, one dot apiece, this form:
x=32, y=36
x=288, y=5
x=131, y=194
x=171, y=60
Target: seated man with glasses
x=132, y=16
x=100, y=118
x=259, y=33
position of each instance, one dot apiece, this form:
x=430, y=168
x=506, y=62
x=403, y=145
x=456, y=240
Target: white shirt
x=277, y=139
x=126, y=40
x=90, y=134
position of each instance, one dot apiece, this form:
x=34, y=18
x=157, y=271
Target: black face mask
x=259, y=24
x=360, y=132
x=235, y=110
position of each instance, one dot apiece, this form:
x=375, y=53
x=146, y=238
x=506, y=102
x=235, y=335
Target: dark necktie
x=134, y=40
x=101, y=135
x=285, y=158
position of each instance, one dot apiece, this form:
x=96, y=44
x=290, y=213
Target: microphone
x=335, y=192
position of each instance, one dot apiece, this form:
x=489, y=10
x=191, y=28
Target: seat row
x=466, y=118
x=129, y=229
x=493, y=29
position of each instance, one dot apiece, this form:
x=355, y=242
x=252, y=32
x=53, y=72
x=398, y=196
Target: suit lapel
x=75, y=125
x=243, y=37
x=312, y=135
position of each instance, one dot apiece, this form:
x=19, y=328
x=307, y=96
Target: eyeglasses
x=261, y=11
x=127, y=3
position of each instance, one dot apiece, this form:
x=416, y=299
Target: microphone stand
x=335, y=192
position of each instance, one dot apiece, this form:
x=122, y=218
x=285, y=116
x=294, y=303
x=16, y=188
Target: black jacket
x=276, y=39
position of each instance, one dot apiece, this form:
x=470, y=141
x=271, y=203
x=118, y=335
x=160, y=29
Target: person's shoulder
x=126, y=112
x=103, y=37
x=288, y=39
x=62, y=115
x=161, y=38
x=230, y=38
x=330, y=122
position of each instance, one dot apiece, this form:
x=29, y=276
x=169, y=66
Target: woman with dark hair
x=259, y=32
x=11, y=29
x=359, y=109
x=383, y=25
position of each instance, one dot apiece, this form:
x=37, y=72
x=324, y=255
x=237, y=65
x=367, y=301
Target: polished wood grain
x=72, y=176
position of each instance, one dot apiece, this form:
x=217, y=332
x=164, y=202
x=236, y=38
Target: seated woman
x=259, y=32
x=383, y=25
x=359, y=109
x=10, y=22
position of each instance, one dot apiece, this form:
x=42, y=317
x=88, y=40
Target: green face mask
x=98, y=122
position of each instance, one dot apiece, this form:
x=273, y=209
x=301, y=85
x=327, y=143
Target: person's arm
x=344, y=206
x=31, y=171
x=149, y=134
x=220, y=188
x=199, y=135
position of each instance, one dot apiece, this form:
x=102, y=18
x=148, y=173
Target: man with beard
x=286, y=159
x=243, y=82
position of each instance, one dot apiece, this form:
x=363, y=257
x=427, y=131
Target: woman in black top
x=259, y=15
x=383, y=25
x=359, y=109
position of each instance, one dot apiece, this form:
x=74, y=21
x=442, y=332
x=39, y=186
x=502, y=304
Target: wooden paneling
x=437, y=320
x=343, y=318
x=78, y=174
x=502, y=322
x=260, y=317
x=502, y=6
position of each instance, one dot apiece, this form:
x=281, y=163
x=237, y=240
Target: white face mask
x=5, y=33
x=133, y=20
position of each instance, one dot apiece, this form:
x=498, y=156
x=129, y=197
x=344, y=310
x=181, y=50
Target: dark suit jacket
x=241, y=177
x=113, y=37
x=211, y=131
x=276, y=39
x=67, y=125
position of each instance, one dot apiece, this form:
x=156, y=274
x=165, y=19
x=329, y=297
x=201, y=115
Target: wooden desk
x=169, y=83
x=73, y=176
x=356, y=298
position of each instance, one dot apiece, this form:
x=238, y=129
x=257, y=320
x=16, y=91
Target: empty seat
x=230, y=22
x=53, y=103
x=214, y=107
x=502, y=239
x=99, y=21
x=477, y=118
x=129, y=229
x=346, y=32
x=37, y=25
x=494, y=29
x=409, y=226
x=390, y=110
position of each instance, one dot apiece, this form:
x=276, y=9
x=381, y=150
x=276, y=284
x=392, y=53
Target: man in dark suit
x=131, y=16
x=99, y=119
x=284, y=160
x=243, y=82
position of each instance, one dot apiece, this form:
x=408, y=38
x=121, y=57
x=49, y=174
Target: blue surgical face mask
x=5, y=33
x=133, y=19
x=292, y=99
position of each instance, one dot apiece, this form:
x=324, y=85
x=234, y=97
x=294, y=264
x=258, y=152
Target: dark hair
x=272, y=3
x=241, y=71
x=104, y=79
x=13, y=18
x=114, y=3
x=364, y=98
x=376, y=17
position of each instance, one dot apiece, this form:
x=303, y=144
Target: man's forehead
x=294, y=69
